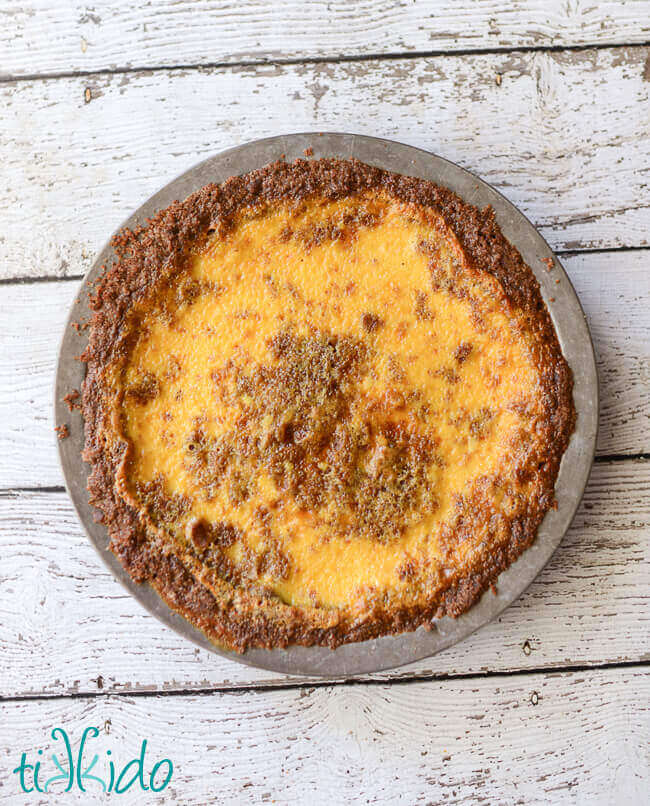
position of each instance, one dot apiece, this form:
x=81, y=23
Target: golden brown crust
x=161, y=246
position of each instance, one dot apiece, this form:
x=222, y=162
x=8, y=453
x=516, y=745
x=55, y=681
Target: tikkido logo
x=49, y=773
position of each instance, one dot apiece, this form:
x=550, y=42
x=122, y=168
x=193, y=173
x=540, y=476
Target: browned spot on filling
x=270, y=561
x=462, y=352
x=203, y=534
x=407, y=571
x=146, y=388
x=174, y=369
x=342, y=227
x=422, y=310
x=371, y=322
x=162, y=507
x=478, y=426
x=448, y=374
x=395, y=370
x=427, y=248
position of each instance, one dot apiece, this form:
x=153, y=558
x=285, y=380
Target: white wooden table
x=549, y=101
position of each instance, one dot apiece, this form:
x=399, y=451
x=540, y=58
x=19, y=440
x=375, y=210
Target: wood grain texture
x=59, y=604
x=73, y=170
x=614, y=289
x=118, y=34
x=571, y=738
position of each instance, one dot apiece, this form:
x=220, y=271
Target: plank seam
x=42, y=279
x=339, y=59
x=7, y=492
x=621, y=457
x=643, y=663
x=562, y=253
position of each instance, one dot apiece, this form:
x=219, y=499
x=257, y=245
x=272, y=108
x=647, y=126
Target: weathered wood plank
x=58, y=604
x=567, y=738
x=78, y=169
x=619, y=320
x=614, y=288
x=119, y=34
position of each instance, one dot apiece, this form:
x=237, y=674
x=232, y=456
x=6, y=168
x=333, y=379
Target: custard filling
x=311, y=408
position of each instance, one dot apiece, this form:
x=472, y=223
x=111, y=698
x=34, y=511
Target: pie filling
x=312, y=405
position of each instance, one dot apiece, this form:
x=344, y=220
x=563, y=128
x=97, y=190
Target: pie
x=323, y=403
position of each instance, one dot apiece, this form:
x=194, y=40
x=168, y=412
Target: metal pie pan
x=569, y=320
